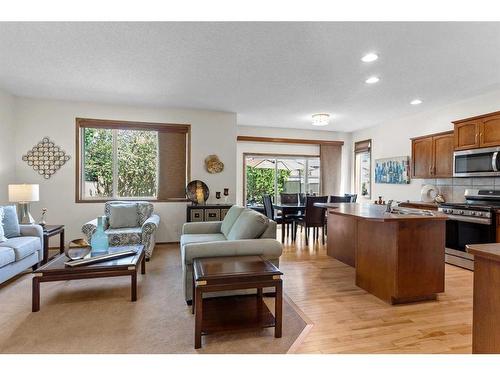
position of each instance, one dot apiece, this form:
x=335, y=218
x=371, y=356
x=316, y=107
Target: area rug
x=96, y=316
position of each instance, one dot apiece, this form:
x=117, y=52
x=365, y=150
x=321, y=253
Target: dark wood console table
x=206, y=212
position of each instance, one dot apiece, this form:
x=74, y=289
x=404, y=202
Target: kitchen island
x=399, y=257
x=486, y=307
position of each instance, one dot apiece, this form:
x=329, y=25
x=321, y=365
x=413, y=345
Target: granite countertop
x=374, y=212
x=488, y=250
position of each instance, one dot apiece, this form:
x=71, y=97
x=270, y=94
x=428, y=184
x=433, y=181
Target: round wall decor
x=46, y=158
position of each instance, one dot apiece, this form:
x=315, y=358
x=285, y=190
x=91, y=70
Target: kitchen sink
x=400, y=211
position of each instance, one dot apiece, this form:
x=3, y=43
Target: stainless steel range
x=471, y=222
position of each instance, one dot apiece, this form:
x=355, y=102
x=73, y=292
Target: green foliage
x=137, y=153
x=260, y=181
x=137, y=160
x=98, y=146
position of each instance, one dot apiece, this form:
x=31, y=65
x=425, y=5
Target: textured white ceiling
x=271, y=74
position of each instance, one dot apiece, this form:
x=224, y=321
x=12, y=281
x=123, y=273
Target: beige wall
x=7, y=146
x=393, y=139
x=211, y=133
x=294, y=149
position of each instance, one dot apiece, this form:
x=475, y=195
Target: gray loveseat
x=242, y=232
x=21, y=251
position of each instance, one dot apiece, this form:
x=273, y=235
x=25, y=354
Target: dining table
x=288, y=209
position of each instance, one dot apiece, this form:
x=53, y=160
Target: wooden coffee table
x=56, y=270
x=238, y=312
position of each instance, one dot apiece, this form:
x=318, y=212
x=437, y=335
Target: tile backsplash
x=453, y=189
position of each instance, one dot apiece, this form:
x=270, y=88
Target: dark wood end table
x=234, y=273
x=49, y=231
x=56, y=270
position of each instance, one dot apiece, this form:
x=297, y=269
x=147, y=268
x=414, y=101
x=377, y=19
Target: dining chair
x=314, y=217
x=271, y=214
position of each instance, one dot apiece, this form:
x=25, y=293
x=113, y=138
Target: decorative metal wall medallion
x=46, y=158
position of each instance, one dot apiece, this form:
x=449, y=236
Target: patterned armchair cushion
x=144, y=209
x=124, y=236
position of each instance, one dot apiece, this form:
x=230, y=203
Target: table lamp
x=23, y=194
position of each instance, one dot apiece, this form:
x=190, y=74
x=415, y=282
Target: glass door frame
x=275, y=156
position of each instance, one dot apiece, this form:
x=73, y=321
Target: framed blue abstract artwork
x=395, y=170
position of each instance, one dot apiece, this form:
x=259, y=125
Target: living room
x=249, y=187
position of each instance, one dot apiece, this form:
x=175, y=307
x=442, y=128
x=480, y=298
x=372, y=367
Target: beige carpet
x=96, y=316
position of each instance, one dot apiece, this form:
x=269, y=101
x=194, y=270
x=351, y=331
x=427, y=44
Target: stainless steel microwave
x=481, y=162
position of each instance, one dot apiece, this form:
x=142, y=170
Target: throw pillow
x=250, y=224
x=2, y=235
x=10, y=222
x=123, y=215
x=230, y=218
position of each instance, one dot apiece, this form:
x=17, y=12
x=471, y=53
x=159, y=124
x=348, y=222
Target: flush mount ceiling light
x=320, y=119
x=372, y=80
x=369, y=57
x=416, y=102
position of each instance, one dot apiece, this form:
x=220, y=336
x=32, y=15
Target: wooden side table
x=49, y=231
x=239, y=312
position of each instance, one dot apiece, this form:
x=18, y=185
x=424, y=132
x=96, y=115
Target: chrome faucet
x=389, y=206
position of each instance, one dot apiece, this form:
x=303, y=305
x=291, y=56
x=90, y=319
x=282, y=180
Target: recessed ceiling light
x=369, y=57
x=320, y=119
x=372, y=80
x=416, y=102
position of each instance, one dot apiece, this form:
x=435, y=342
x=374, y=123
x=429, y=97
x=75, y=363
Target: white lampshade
x=23, y=192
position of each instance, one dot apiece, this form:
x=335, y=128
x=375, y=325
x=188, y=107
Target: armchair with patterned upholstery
x=143, y=233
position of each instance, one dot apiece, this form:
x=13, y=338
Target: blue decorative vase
x=99, y=241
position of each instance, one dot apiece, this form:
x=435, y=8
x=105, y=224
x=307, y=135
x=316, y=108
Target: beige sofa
x=242, y=232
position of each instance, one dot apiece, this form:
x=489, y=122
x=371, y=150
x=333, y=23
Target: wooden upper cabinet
x=432, y=155
x=479, y=131
x=443, y=155
x=489, y=133
x=466, y=135
x=422, y=157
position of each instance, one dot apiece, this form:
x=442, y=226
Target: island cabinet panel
x=486, y=298
x=486, y=306
x=401, y=262
x=420, y=260
x=376, y=257
x=341, y=238
x=432, y=156
x=467, y=135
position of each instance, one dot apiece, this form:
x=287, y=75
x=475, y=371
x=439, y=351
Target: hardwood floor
x=349, y=320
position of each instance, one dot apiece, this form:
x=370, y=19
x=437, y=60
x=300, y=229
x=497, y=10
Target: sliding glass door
x=276, y=174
